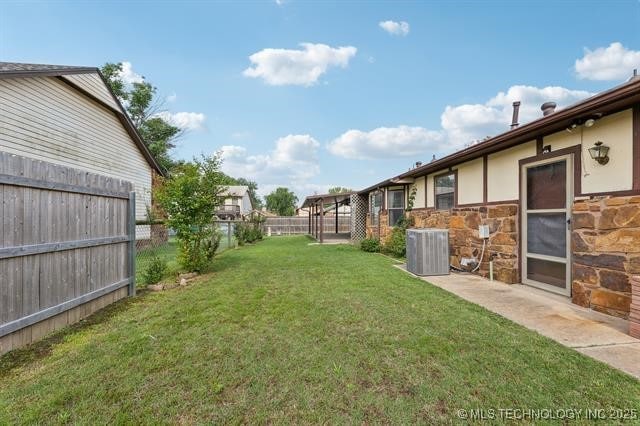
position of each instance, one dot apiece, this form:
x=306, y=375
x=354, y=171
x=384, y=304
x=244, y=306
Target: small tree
x=282, y=201
x=189, y=199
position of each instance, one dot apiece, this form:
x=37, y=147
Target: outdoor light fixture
x=600, y=153
x=590, y=122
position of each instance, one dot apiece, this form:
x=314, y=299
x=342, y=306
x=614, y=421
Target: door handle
x=569, y=224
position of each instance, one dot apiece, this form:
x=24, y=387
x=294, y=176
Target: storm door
x=546, y=211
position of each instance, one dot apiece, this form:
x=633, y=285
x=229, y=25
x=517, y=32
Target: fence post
x=132, y=243
x=228, y=234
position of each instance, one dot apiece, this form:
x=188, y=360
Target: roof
x=326, y=198
x=608, y=102
x=235, y=191
x=20, y=70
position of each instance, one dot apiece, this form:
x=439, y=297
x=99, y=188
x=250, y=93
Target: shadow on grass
x=33, y=352
x=42, y=348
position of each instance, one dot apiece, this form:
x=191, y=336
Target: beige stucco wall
x=470, y=185
x=419, y=200
x=503, y=171
x=616, y=131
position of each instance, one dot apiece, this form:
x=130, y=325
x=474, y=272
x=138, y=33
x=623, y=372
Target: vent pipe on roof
x=433, y=158
x=418, y=163
x=635, y=75
x=548, y=108
x=516, y=111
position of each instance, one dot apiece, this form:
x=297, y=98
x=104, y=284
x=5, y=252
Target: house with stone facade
x=560, y=195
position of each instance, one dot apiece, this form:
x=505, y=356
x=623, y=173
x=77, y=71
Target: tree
x=338, y=190
x=282, y=201
x=189, y=199
x=253, y=189
x=142, y=105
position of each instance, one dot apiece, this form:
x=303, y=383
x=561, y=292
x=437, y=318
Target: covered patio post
x=321, y=220
x=336, y=216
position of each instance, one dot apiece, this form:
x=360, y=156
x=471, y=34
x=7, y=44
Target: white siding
x=93, y=84
x=43, y=118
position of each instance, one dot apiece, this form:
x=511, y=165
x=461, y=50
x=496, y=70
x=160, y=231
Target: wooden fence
x=289, y=225
x=67, y=239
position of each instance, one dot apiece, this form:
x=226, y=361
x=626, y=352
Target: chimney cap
x=548, y=108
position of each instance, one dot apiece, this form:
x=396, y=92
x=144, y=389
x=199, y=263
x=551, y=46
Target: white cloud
x=128, y=75
x=291, y=163
x=395, y=28
x=464, y=124
x=461, y=126
x=302, y=67
x=172, y=97
x=615, y=62
x=385, y=142
x=184, y=120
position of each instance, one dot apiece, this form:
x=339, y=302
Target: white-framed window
x=395, y=205
x=445, y=187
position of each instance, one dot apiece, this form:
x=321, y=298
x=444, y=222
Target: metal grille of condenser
x=428, y=251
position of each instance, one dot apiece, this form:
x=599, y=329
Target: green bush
x=189, y=198
x=248, y=232
x=370, y=245
x=155, y=271
x=396, y=243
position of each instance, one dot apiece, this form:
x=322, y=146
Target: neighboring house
x=69, y=116
x=559, y=219
x=237, y=203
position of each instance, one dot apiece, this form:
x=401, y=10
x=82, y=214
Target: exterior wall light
x=600, y=153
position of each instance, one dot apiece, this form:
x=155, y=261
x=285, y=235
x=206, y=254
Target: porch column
x=321, y=220
x=336, y=217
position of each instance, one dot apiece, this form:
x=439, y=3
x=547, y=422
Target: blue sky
x=362, y=100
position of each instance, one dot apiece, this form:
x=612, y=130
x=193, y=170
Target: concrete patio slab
x=597, y=335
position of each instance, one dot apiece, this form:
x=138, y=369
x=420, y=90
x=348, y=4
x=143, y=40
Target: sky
x=314, y=94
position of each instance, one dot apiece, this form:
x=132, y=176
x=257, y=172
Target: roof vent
x=418, y=163
x=433, y=158
x=516, y=111
x=548, y=108
x=635, y=75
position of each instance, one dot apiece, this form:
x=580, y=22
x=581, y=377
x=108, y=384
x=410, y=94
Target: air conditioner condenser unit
x=428, y=251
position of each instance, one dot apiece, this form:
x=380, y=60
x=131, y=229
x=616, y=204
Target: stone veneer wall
x=605, y=243
x=463, y=225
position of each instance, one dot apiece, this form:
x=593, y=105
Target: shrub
x=370, y=245
x=189, y=199
x=396, y=243
x=248, y=232
x=155, y=271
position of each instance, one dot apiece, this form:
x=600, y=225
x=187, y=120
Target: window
x=375, y=205
x=395, y=203
x=445, y=191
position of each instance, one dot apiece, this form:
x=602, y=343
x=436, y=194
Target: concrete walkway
x=597, y=335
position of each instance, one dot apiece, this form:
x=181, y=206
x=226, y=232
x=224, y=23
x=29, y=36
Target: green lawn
x=284, y=332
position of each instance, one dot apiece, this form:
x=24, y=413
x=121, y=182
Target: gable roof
x=608, y=102
x=20, y=70
x=235, y=191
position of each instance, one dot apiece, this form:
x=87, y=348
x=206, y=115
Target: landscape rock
x=155, y=287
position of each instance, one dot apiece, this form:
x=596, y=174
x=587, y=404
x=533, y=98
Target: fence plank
x=63, y=240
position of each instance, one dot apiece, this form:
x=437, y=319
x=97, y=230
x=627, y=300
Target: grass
x=284, y=332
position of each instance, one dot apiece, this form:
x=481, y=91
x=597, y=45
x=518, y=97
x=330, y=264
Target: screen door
x=546, y=208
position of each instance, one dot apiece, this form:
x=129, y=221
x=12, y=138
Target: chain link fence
x=157, y=245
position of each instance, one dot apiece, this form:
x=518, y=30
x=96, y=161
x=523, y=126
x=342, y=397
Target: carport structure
x=318, y=206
